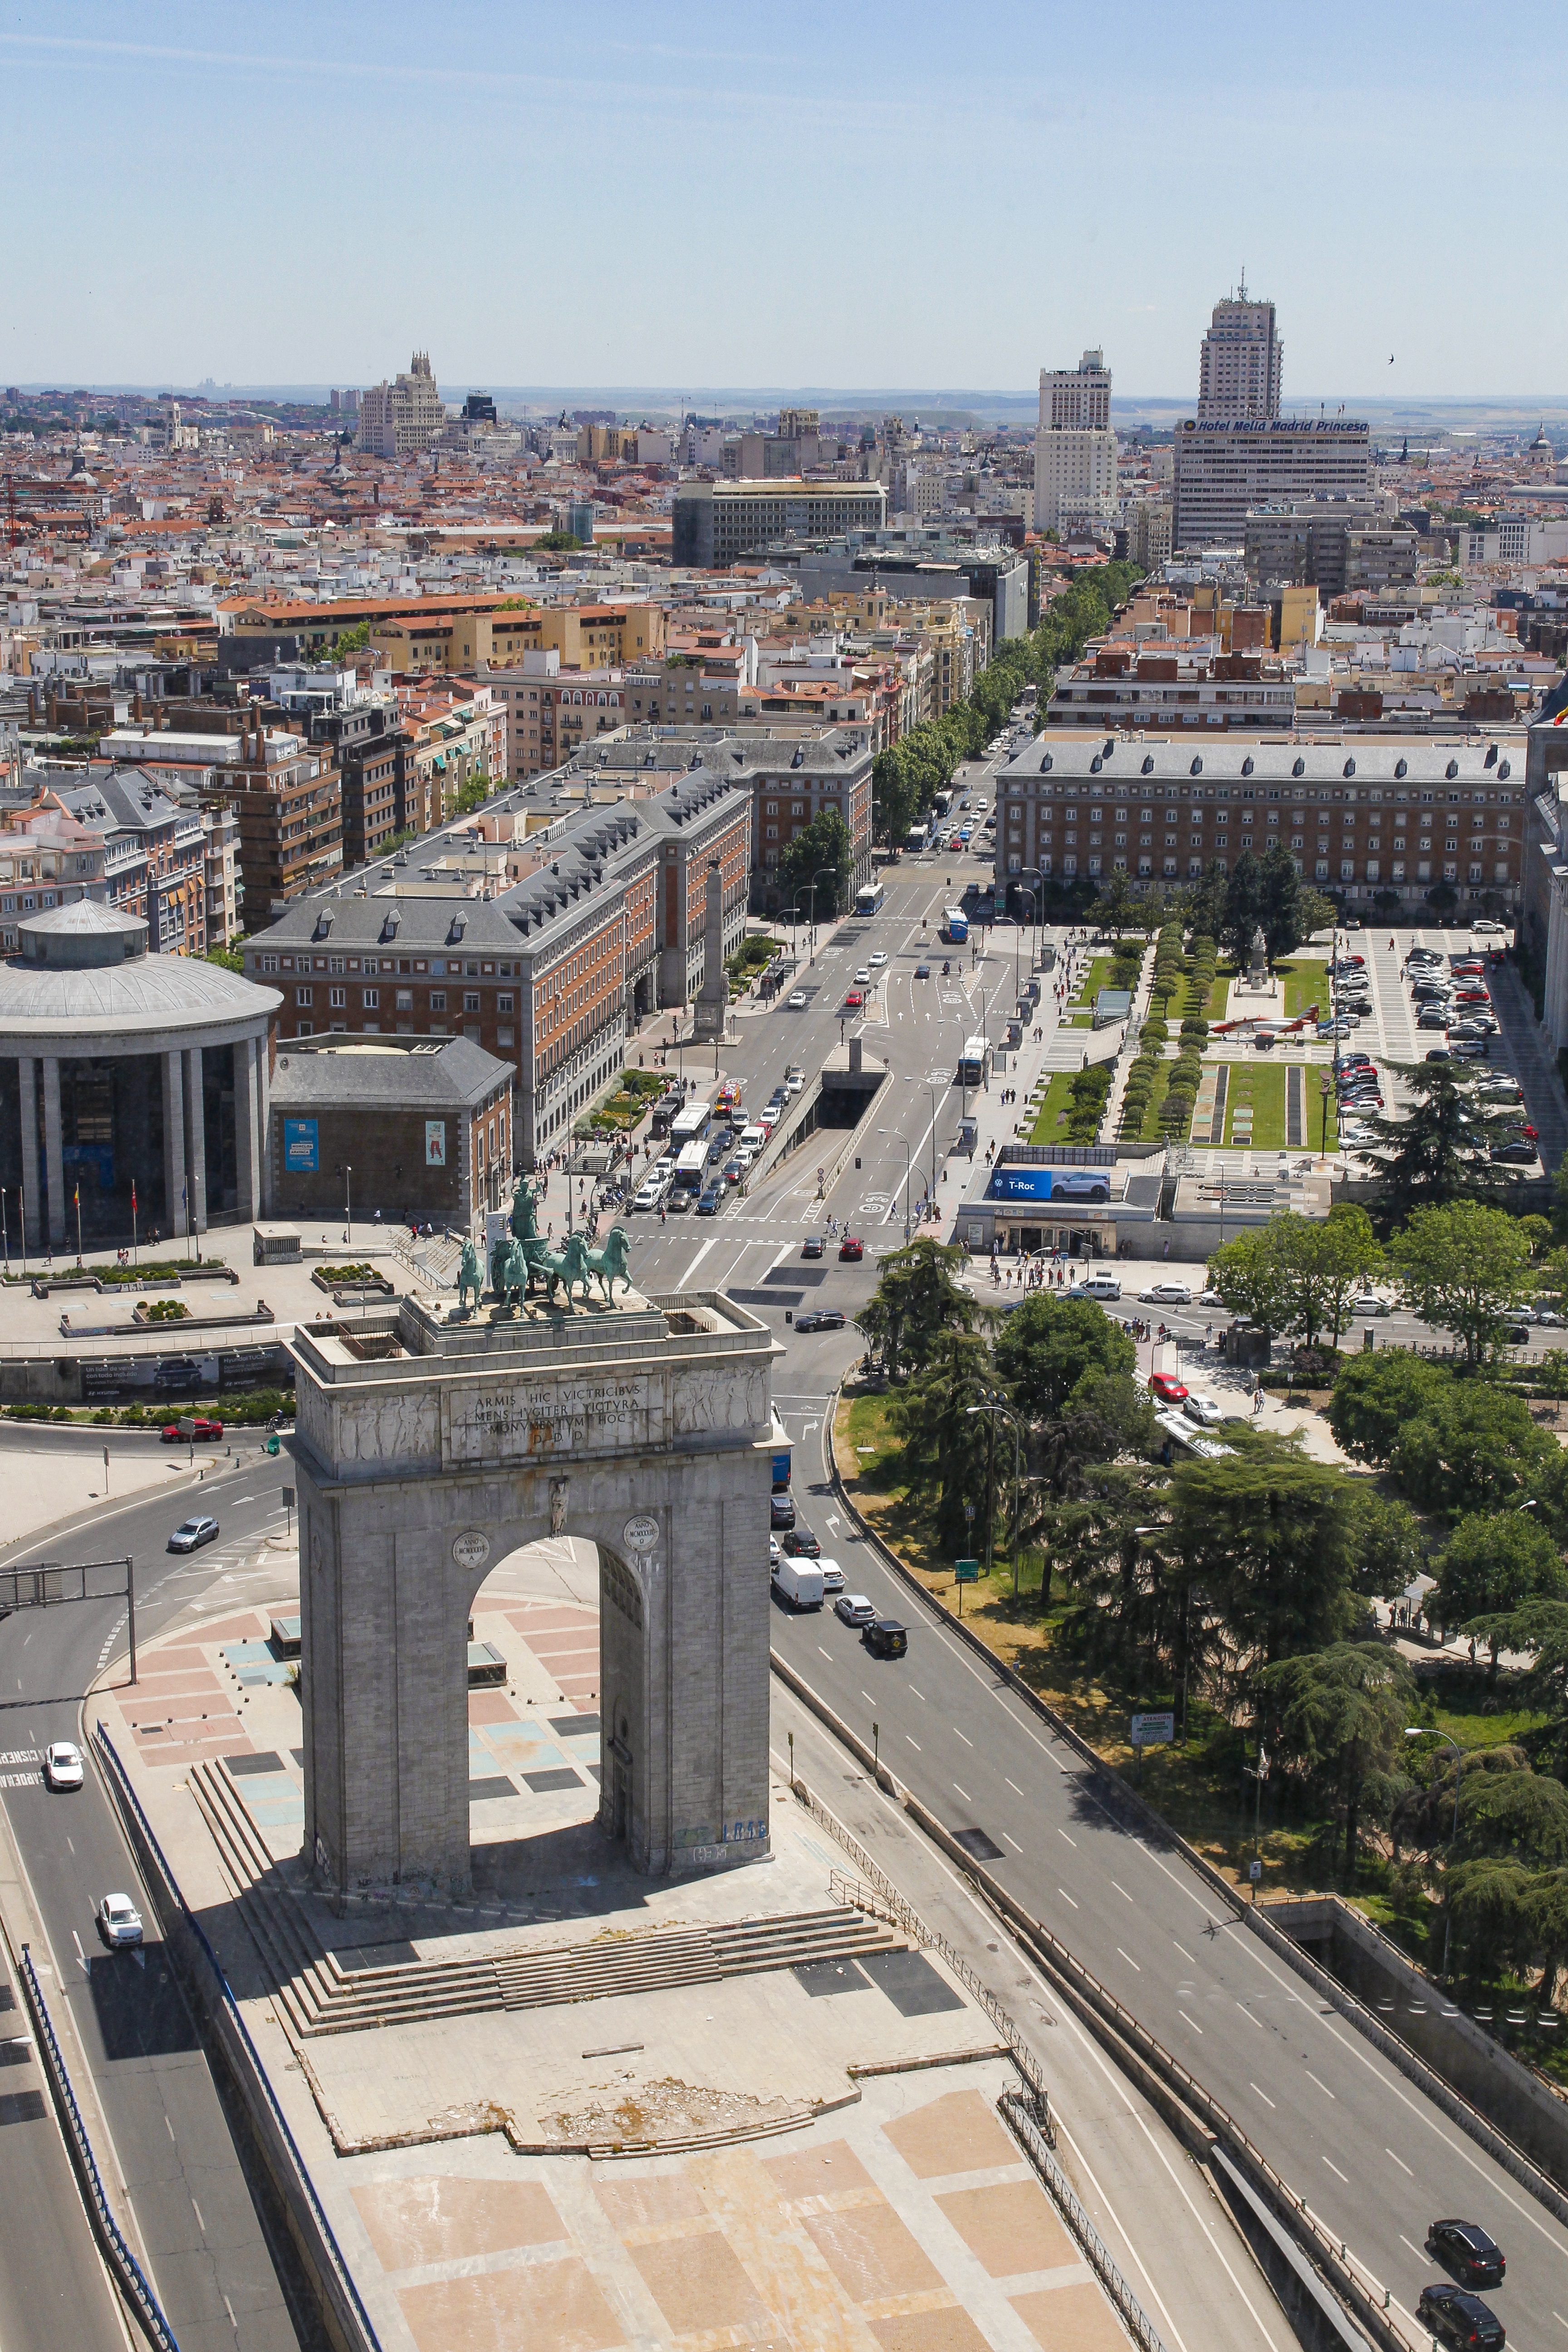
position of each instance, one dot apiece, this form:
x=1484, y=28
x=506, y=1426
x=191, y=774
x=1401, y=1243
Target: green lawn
x=1262, y=1084
x=1051, y=1119
x=1306, y=983
x=1097, y=977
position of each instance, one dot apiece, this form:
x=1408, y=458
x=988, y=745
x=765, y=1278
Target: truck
x=798, y=1582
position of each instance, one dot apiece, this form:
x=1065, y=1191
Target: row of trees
x=1245, y=1578
x=907, y=776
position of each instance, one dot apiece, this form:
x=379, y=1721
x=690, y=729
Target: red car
x=851, y=1248
x=1167, y=1388
x=204, y=1433
x=854, y=1001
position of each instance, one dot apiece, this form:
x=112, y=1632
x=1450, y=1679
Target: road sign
x=287, y=1498
x=1154, y=1730
x=187, y=1427
x=1254, y=1871
x=967, y=1572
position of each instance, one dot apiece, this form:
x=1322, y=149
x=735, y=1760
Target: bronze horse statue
x=470, y=1276
x=611, y=1264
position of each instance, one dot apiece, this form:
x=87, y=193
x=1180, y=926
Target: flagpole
x=133, y=1258
x=78, y=1220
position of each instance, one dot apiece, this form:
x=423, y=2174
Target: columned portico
x=175, y=1140
x=195, y=1139
x=54, y=1153
x=28, y=1076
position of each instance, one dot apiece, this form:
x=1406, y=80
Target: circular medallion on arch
x=640, y=1536
x=471, y=1548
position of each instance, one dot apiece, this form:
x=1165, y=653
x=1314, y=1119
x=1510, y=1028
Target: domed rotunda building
x=120, y=1068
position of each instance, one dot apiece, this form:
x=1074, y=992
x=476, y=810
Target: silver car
x=190, y=1533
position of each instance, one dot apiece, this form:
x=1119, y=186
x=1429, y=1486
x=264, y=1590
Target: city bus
x=690, y=1168
x=973, y=1063
x=870, y=897
x=688, y=1126
x=917, y=837
x=955, y=926
x=943, y=804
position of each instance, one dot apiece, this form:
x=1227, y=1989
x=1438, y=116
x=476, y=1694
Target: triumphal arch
x=433, y=1440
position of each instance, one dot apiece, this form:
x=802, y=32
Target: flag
x=133, y=1196
x=76, y=1197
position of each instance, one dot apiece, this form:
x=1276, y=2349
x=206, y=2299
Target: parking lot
x=1400, y=1001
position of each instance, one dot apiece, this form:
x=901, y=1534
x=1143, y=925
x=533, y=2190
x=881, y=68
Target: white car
x=62, y=1765
x=1369, y=1303
x=832, y=1575
x=775, y=1551
x=1201, y=1409
x=862, y=978
x=1548, y=1318
x=119, y=1921
x=877, y=956
x=1489, y=931
x=1210, y=1298
x=795, y=1000
x=795, y=1081
x=853, y=1608
x=1166, y=1294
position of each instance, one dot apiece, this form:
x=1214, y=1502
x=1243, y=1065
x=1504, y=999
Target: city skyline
x=344, y=271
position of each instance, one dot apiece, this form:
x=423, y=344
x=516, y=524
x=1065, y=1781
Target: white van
x=798, y=1582
x=752, y=1138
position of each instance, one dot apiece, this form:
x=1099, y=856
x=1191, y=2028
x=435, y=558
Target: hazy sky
x=870, y=194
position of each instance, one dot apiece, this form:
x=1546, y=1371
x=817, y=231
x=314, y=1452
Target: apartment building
x=715, y=524
x=550, y=712
x=1240, y=363
x=1167, y=692
x=552, y=974
x=49, y=858
x=399, y=419
x=156, y=852
x=1337, y=545
x=1225, y=469
x=1376, y=821
x=463, y=632
x=287, y=792
x=1075, y=448
x=792, y=784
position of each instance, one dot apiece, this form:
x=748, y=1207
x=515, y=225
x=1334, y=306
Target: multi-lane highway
x=195, y=2225
x=1375, y=2160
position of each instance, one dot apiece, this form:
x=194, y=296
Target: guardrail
x=1060, y=2189
x=1126, y=1801
x=347, y=2296
x=903, y=1916
x=127, y=2270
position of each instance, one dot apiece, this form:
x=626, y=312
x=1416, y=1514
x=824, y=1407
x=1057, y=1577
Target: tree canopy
x=1339, y=1716
x=1050, y=1344
x=917, y=1299
x=825, y=843
x=1438, y=1148
x=1462, y=1267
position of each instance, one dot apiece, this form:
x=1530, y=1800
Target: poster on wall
x=301, y=1150
x=435, y=1143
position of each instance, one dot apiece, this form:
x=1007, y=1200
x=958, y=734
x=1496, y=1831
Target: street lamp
x=1430, y=1731
x=1024, y=890
x=347, y=1204
x=905, y=1141
x=1009, y=1414
x=832, y=871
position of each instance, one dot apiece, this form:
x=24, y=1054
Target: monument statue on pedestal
x=1257, y=960
x=713, y=1001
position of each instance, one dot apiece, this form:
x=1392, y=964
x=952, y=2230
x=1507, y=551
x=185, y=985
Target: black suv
x=801, y=1544
x=1464, y=2249
x=782, y=1514
x=820, y=1318
x=1461, y=2320
x=886, y=1638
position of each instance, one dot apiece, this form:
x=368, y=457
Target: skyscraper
x=1075, y=448
x=1238, y=372
x=398, y=418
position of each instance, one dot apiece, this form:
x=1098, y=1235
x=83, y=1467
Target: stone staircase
x=315, y=1994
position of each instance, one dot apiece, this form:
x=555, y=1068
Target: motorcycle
x=945, y=970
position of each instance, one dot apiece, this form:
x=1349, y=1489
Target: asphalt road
x=1373, y=2157
x=205, y=2250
